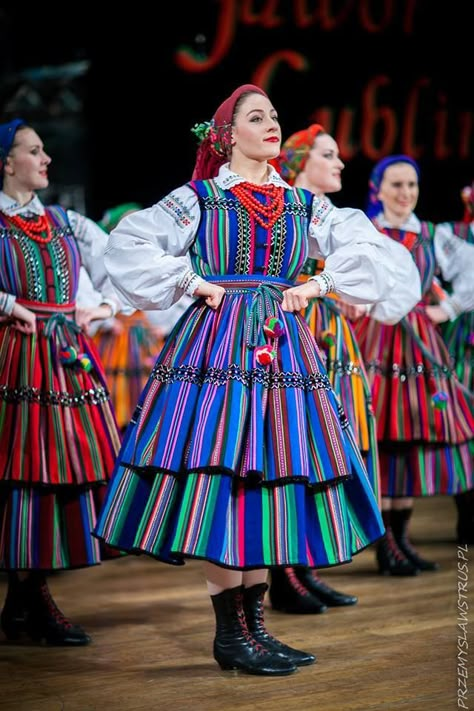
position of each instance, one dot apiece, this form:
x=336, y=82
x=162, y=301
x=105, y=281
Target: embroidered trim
x=415, y=371
x=93, y=396
x=219, y=376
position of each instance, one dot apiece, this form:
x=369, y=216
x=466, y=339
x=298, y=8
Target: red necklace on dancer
x=265, y=214
x=37, y=229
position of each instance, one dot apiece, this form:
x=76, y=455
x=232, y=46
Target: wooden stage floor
x=152, y=627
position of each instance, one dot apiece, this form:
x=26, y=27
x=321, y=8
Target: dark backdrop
x=384, y=76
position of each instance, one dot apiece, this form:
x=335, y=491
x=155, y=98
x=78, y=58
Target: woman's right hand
x=23, y=319
x=212, y=293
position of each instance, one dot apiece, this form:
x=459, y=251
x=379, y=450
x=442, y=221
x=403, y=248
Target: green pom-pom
x=201, y=130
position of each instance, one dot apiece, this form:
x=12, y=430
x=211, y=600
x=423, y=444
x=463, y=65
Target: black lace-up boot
x=325, y=593
x=44, y=620
x=390, y=559
x=288, y=594
x=235, y=647
x=400, y=519
x=254, y=614
x=12, y=617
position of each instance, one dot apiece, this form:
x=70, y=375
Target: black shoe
x=391, y=560
x=410, y=554
x=288, y=594
x=12, y=617
x=235, y=647
x=254, y=615
x=327, y=595
x=45, y=621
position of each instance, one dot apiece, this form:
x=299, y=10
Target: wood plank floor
x=152, y=627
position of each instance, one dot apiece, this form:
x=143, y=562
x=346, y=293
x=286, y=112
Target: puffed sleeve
x=146, y=254
x=363, y=265
x=455, y=258
x=92, y=240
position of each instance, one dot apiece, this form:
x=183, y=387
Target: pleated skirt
x=237, y=457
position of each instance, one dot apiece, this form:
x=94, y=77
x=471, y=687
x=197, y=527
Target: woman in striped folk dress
x=424, y=415
x=458, y=334
x=58, y=433
x=310, y=159
x=238, y=453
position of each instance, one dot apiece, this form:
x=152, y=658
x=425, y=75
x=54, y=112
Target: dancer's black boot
x=390, y=559
x=400, y=519
x=288, y=594
x=325, y=593
x=44, y=620
x=12, y=617
x=465, y=523
x=254, y=614
x=235, y=647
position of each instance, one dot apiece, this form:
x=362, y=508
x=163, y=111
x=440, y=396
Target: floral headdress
x=215, y=136
x=295, y=151
x=467, y=196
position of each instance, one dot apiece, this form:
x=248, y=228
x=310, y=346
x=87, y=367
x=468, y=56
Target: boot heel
x=13, y=629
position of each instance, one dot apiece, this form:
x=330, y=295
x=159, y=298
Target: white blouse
x=455, y=258
x=91, y=241
x=146, y=254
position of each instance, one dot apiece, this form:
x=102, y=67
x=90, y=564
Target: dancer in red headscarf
x=239, y=453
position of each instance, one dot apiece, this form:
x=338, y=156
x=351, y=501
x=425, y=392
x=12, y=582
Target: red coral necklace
x=265, y=213
x=37, y=228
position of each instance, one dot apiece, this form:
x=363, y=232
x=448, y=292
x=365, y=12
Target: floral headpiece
x=218, y=138
x=467, y=196
x=295, y=151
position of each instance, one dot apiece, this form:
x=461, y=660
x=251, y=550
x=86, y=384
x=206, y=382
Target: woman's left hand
x=436, y=314
x=298, y=297
x=84, y=316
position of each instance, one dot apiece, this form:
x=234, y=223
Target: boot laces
x=295, y=583
x=259, y=648
x=53, y=609
x=393, y=546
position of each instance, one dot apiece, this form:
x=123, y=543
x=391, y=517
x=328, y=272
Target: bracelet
x=7, y=302
x=326, y=283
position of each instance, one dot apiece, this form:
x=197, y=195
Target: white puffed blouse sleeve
x=455, y=258
x=364, y=265
x=91, y=240
x=146, y=254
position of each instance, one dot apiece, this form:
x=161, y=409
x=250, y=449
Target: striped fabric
x=423, y=450
x=459, y=334
x=242, y=464
x=59, y=438
x=127, y=356
x=346, y=371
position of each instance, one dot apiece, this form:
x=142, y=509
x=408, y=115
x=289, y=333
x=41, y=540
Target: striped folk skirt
x=59, y=444
x=239, y=452
x=425, y=421
x=127, y=352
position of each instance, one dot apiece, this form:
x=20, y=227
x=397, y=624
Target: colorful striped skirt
x=425, y=420
x=459, y=338
x=346, y=372
x=59, y=443
x=239, y=452
x=128, y=352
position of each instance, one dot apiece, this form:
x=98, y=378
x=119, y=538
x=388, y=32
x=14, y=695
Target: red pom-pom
x=264, y=355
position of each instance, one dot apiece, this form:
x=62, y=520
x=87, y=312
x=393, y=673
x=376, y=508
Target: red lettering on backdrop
x=324, y=14
x=371, y=116
x=266, y=70
x=441, y=148
x=225, y=32
x=408, y=139
x=376, y=26
x=465, y=133
x=267, y=17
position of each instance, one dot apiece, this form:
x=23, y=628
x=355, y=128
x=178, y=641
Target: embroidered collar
x=10, y=206
x=226, y=179
x=413, y=224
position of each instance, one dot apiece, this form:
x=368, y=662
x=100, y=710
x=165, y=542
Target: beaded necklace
x=266, y=214
x=37, y=228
